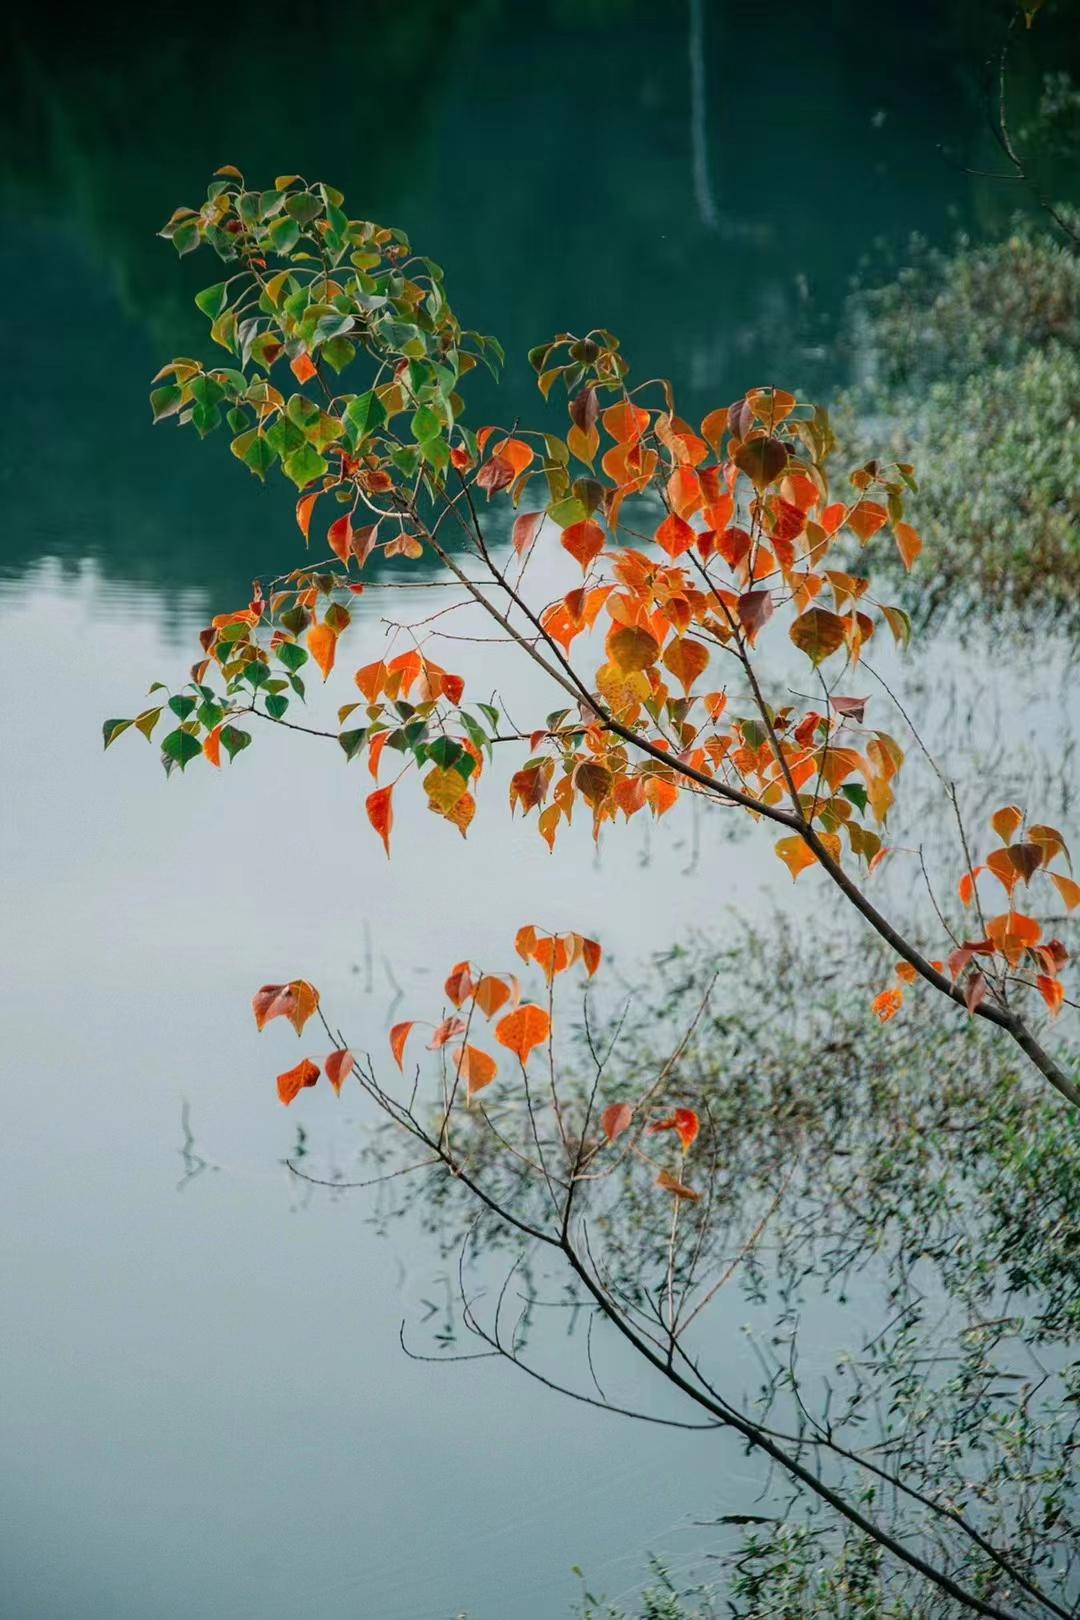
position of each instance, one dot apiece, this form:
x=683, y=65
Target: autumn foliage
x=689, y=549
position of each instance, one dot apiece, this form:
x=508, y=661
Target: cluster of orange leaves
x=1010, y=939
x=472, y=992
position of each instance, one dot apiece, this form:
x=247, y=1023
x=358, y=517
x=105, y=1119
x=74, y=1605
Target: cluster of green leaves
x=314, y=291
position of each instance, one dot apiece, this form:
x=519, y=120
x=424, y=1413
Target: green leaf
x=180, y=747
x=291, y=655
x=567, y=512
x=276, y=706
x=857, y=794
x=446, y=751
x=112, y=729
x=182, y=706
x=146, y=722
x=426, y=424
x=353, y=741
x=166, y=401
x=339, y=353
x=186, y=237
x=212, y=300
x=234, y=741
x=364, y=414
x=284, y=235
x=303, y=207
x=210, y=714
x=305, y=465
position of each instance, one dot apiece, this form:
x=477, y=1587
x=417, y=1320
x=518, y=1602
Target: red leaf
x=584, y=541
x=850, y=708
x=684, y=1121
x=339, y=1065
x=616, y=1119
x=754, y=609
x=526, y=528
x=292, y=1082
x=295, y=1001
x=674, y=535
x=339, y=538
x=975, y=991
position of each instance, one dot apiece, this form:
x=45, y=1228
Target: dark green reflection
x=705, y=190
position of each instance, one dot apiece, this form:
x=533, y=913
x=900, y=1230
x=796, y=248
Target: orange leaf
x=295, y=1001
x=551, y=955
x=491, y=994
x=516, y=452
x=632, y=648
x=1007, y=821
x=292, y=1082
x=866, y=519
x=460, y=984
x=448, y=1030
x=524, y=1029
x=584, y=541
x=685, y=493
x=371, y=680
x=302, y=368
x=322, y=644
x=525, y=941
x=591, y=955
x=339, y=1065
x=398, y=1036
x=1001, y=866
x=672, y=1184
x=888, y=1004
x=660, y=794
x=674, y=536
x=625, y=422
x=1052, y=992
x=380, y=812
x=966, y=886
x=687, y=660
x=304, y=508
x=212, y=746
x=908, y=543
x=795, y=854
x=1068, y=890
x=478, y=1067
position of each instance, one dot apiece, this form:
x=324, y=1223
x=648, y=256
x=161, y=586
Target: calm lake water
x=205, y=1410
